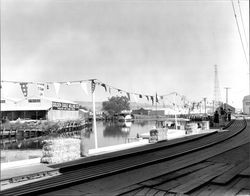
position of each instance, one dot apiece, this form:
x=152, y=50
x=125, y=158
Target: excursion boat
x=125, y=118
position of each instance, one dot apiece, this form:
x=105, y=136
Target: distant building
x=246, y=104
x=35, y=108
x=85, y=114
x=229, y=107
x=157, y=112
x=141, y=111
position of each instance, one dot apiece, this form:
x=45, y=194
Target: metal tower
x=216, y=87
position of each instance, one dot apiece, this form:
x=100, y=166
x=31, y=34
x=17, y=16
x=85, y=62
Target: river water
x=108, y=134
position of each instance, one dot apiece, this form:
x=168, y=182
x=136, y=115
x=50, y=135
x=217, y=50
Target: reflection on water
x=108, y=133
x=117, y=129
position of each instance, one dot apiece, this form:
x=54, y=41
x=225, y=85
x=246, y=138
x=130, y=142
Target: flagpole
x=175, y=111
x=156, y=106
x=94, y=119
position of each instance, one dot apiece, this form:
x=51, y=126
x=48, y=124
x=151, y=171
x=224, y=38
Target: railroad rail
x=79, y=171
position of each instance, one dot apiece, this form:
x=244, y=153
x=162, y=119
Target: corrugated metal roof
x=10, y=99
x=52, y=99
x=30, y=107
x=19, y=106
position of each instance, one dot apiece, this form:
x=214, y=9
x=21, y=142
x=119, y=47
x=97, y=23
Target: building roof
x=52, y=99
x=29, y=107
x=246, y=98
x=16, y=106
x=10, y=99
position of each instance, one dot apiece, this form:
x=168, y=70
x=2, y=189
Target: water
x=108, y=134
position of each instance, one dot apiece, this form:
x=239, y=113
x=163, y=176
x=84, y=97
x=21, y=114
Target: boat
x=125, y=118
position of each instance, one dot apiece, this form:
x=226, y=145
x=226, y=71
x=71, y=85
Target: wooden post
x=94, y=119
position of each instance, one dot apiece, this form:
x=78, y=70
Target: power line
x=242, y=23
x=239, y=32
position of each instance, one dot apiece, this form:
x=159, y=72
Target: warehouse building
x=39, y=108
x=246, y=104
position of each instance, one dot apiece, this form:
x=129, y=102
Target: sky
x=137, y=46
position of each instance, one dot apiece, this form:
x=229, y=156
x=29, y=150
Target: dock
x=207, y=164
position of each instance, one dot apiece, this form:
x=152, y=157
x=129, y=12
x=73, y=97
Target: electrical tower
x=216, y=87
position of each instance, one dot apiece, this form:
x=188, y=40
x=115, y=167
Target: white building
x=246, y=104
x=39, y=108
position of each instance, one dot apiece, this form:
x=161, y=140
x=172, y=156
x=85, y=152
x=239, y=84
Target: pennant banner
x=41, y=88
x=92, y=86
x=156, y=98
x=24, y=88
x=84, y=87
x=181, y=101
x=152, y=99
x=128, y=96
x=57, y=87
x=104, y=86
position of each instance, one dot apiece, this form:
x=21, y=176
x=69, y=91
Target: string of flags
x=165, y=99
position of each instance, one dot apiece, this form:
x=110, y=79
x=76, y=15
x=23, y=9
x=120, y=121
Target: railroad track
x=77, y=172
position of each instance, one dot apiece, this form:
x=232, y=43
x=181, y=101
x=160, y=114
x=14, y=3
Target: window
x=3, y=101
x=34, y=100
x=247, y=103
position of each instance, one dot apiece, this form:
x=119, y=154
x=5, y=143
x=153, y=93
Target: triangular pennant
x=92, y=86
x=128, y=96
x=84, y=87
x=104, y=86
x=24, y=88
x=152, y=99
x=57, y=87
x=41, y=88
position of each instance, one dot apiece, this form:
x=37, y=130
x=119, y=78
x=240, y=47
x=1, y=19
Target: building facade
x=246, y=104
x=39, y=108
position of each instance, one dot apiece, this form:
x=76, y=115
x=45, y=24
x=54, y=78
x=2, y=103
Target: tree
x=116, y=104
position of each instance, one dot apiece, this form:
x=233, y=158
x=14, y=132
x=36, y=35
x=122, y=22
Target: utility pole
x=175, y=115
x=94, y=113
x=216, y=87
x=205, y=101
x=227, y=95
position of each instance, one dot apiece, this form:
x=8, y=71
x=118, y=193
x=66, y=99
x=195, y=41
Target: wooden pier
x=186, y=166
x=36, y=132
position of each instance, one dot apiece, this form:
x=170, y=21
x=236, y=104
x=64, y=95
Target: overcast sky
x=138, y=46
